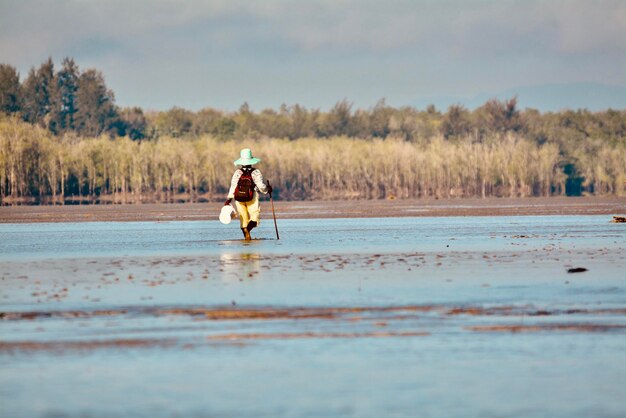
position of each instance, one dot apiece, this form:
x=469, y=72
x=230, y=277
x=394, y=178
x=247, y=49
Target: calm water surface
x=431, y=317
x=115, y=239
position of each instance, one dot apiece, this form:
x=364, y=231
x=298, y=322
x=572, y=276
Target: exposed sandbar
x=323, y=209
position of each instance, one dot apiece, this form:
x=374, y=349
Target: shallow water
x=472, y=316
x=117, y=239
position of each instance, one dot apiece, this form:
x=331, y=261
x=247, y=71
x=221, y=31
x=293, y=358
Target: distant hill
x=546, y=97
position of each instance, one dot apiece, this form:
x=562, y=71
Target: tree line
x=37, y=166
x=62, y=101
x=75, y=102
x=62, y=137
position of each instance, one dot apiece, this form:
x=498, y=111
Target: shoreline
x=165, y=212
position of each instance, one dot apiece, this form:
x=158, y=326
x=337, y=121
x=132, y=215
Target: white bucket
x=227, y=214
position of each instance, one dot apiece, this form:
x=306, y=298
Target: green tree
x=65, y=101
x=247, y=121
x=175, y=122
x=497, y=116
x=613, y=125
x=10, y=98
x=456, y=122
x=224, y=128
x=274, y=124
x=379, y=120
x=339, y=119
x=38, y=94
x=132, y=123
x=301, y=122
x=96, y=111
x=205, y=120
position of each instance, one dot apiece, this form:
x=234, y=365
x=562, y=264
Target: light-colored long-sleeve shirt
x=256, y=176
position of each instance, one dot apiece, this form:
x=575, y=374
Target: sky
x=221, y=53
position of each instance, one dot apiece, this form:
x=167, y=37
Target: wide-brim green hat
x=246, y=158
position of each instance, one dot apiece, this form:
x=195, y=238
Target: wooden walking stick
x=273, y=212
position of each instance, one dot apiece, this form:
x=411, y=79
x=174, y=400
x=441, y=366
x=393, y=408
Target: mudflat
x=472, y=316
x=323, y=209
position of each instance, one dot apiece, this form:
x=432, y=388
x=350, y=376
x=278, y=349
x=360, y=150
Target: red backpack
x=244, y=192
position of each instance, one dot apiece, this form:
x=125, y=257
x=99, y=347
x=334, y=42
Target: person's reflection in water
x=240, y=266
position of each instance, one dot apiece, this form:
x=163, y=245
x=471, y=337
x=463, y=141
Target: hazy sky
x=193, y=53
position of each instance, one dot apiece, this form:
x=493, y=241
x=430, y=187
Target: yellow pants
x=249, y=211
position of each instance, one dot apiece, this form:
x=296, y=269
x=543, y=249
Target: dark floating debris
x=619, y=219
x=577, y=270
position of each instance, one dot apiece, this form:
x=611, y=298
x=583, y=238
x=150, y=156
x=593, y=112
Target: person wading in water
x=247, y=181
